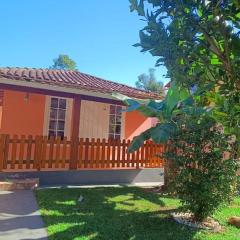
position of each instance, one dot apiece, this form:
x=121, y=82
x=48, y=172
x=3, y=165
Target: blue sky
x=98, y=35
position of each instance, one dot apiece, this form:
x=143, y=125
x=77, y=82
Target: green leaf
x=175, y=94
x=137, y=45
x=138, y=141
x=215, y=61
x=162, y=132
x=133, y=5
x=200, y=13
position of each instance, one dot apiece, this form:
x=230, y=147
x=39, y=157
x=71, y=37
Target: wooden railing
x=41, y=153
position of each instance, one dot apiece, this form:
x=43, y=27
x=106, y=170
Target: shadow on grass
x=109, y=213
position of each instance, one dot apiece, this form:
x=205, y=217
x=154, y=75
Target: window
x=57, y=117
x=115, y=122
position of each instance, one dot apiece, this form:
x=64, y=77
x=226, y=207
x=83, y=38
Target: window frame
x=56, y=118
x=116, y=123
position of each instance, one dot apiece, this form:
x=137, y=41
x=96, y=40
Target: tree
x=149, y=82
x=199, y=43
x=63, y=62
x=203, y=178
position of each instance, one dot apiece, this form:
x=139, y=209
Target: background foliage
x=64, y=62
x=199, y=43
x=149, y=82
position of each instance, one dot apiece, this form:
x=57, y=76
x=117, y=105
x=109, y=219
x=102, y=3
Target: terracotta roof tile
x=73, y=79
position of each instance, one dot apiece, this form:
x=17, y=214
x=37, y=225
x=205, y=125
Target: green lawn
x=119, y=214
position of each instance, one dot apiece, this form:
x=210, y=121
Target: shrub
x=238, y=185
x=203, y=179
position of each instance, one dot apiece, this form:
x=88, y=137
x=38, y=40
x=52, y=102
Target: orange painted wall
x=136, y=123
x=26, y=117
x=21, y=116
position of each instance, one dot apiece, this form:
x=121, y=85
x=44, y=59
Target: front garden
x=198, y=121
x=122, y=213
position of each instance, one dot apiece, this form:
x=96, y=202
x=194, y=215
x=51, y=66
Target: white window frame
x=68, y=116
x=114, y=134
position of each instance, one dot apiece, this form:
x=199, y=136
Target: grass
x=121, y=213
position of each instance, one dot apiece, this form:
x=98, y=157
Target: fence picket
x=51, y=147
x=128, y=154
x=44, y=152
x=118, y=148
x=21, y=152
x=58, y=146
x=14, y=152
x=137, y=158
x=64, y=152
x=86, y=163
x=92, y=157
x=29, y=151
x=103, y=153
x=36, y=152
x=113, y=153
x=6, y=152
x=80, y=158
x=2, y=151
x=108, y=153
x=123, y=153
x=97, y=152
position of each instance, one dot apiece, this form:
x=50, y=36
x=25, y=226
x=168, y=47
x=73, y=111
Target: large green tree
x=199, y=43
x=63, y=62
x=149, y=82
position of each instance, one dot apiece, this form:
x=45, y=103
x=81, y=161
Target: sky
x=97, y=34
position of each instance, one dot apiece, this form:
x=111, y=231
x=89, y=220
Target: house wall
x=94, y=119
x=22, y=116
x=19, y=115
x=136, y=123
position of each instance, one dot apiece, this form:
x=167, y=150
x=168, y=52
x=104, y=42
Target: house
x=66, y=103
x=65, y=127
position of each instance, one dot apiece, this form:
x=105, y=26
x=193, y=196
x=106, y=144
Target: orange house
x=66, y=103
x=59, y=126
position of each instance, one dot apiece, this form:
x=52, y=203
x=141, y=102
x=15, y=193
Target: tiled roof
x=73, y=79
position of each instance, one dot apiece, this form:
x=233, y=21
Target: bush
x=238, y=185
x=203, y=179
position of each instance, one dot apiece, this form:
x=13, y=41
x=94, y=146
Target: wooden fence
x=43, y=153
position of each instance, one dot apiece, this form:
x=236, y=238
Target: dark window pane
x=117, y=136
x=119, y=110
x=62, y=103
x=61, y=114
x=61, y=134
x=118, y=129
x=53, y=113
x=52, y=125
x=51, y=133
x=112, y=119
x=112, y=129
x=111, y=136
x=118, y=120
x=54, y=102
x=112, y=109
x=61, y=125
